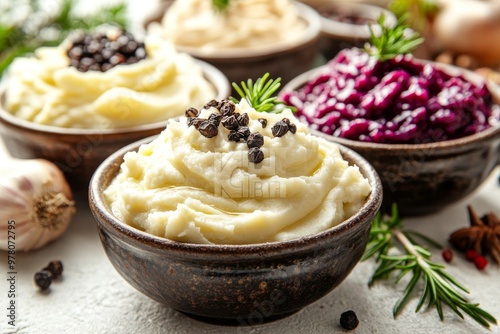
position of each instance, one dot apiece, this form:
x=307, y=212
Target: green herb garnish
x=20, y=38
x=439, y=287
x=260, y=95
x=419, y=11
x=392, y=41
x=221, y=5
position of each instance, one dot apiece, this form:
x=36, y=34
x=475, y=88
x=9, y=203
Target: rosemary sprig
x=260, y=94
x=392, y=41
x=439, y=287
x=220, y=5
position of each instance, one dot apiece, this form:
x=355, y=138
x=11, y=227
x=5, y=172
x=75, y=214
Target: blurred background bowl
x=78, y=152
x=345, y=24
x=233, y=284
x=280, y=60
x=425, y=178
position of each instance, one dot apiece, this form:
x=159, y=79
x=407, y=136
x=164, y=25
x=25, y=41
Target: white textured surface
x=92, y=298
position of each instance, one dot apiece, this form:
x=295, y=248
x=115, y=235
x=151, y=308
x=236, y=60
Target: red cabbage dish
x=398, y=101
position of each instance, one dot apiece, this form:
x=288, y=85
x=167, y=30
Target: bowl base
x=245, y=321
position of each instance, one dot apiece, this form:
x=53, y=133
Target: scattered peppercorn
x=255, y=155
x=286, y=121
x=255, y=140
x=293, y=128
x=279, y=129
x=227, y=107
x=243, y=132
x=55, y=268
x=480, y=262
x=196, y=122
x=208, y=129
x=263, y=121
x=243, y=119
x=210, y=104
x=100, y=52
x=349, y=320
x=43, y=279
x=447, y=255
x=230, y=122
x=191, y=112
x=215, y=119
x=233, y=136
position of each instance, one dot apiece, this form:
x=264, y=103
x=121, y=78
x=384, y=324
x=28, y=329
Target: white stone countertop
x=92, y=297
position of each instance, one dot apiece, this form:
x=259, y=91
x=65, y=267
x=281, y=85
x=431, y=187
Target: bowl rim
x=216, y=78
x=490, y=133
x=335, y=28
x=311, y=34
x=108, y=221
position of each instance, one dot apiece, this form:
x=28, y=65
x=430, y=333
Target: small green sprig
x=221, y=5
x=392, y=41
x=439, y=287
x=259, y=95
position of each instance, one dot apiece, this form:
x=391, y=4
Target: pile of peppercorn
x=100, y=52
x=237, y=124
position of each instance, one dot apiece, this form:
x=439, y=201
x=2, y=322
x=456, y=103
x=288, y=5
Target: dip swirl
x=189, y=188
x=244, y=24
x=44, y=89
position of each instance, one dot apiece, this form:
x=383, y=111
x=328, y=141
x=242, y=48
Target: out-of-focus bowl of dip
x=422, y=178
x=346, y=24
x=223, y=260
x=76, y=119
x=252, y=38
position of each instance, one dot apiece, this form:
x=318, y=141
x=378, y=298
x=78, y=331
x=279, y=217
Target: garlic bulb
x=36, y=204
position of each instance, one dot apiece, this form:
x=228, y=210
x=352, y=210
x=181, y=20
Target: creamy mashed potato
x=45, y=90
x=244, y=24
x=186, y=187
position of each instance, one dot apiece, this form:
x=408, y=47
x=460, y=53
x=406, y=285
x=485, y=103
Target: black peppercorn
x=230, y=122
x=227, y=107
x=191, y=112
x=215, y=119
x=255, y=140
x=279, y=129
x=55, y=268
x=286, y=121
x=243, y=119
x=233, y=136
x=210, y=104
x=255, y=155
x=349, y=320
x=263, y=121
x=43, y=279
x=208, y=129
x=196, y=122
x=292, y=127
x=243, y=132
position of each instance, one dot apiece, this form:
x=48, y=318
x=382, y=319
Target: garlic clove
x=36, y=196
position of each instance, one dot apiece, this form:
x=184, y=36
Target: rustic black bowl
x=78, y=152
x=233, y=284
x=425, y=178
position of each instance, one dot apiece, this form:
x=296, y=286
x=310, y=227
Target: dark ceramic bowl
x=78, y=152
x=285, y=61
x=425, y=178
x=233, y=284
x=346, y=24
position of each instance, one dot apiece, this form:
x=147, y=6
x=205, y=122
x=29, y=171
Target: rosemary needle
x=439, y=287
x=260, y=95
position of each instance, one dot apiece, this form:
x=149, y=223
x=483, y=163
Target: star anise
x=483, y=235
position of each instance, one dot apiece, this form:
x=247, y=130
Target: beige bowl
x=285, y=61
x=78, y=152
x=346, y=24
